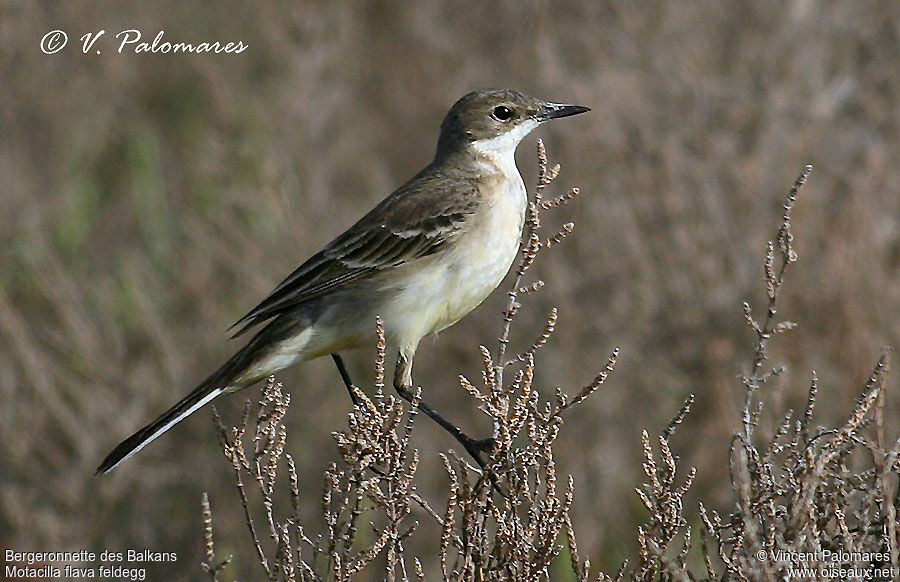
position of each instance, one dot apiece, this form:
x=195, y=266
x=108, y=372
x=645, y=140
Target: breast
x=443, y=288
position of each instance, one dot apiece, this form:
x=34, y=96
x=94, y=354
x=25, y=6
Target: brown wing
x=415, y=221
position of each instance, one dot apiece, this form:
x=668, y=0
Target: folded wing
x=413, y=222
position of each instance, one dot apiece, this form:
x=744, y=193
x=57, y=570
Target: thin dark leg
x=474, y=447
x=345, y=376
x=403, y=384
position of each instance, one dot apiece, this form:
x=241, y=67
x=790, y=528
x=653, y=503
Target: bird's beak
x=554, y=110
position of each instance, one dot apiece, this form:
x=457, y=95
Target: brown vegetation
x=149, y=200
x=805, y=504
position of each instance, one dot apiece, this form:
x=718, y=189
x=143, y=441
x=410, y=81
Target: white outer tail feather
x=213, y=393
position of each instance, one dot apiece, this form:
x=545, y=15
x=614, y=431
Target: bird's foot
x=480, y=450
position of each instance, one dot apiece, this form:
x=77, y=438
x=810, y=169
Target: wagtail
x=423, y=258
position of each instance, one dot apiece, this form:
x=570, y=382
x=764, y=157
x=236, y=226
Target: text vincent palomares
x=131, y=40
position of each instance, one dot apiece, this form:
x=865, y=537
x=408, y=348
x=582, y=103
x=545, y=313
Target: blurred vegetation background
x=147, y=201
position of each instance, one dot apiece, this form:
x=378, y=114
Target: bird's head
x=496, y=120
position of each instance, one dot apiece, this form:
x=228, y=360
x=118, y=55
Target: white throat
x=501, y=150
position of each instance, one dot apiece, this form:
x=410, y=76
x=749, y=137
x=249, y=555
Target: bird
x=423, y=258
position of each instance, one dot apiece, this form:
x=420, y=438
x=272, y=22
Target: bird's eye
x=502, y=113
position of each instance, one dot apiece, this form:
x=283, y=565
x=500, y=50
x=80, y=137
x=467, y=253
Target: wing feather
x=415, y=221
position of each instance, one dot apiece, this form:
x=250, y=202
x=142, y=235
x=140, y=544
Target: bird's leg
x=403, y=385
x=345, y=376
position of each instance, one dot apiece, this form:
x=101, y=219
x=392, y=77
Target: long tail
x=200, y=396
x=222, y=380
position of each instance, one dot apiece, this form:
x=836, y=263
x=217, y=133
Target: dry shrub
x=808, y=503
x=149, y=202
x=503, y=521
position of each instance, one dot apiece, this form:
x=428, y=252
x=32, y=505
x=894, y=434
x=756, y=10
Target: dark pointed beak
x=554, y=110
